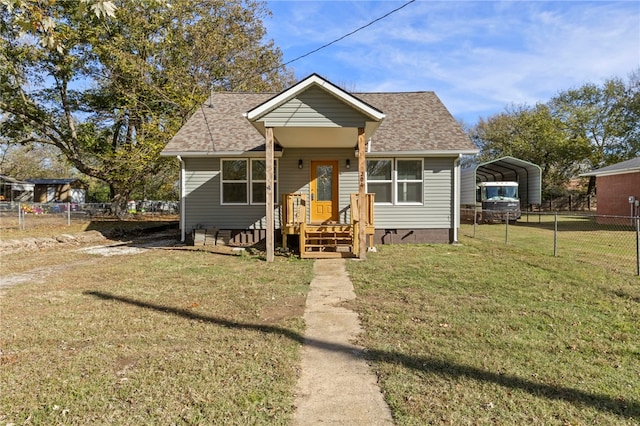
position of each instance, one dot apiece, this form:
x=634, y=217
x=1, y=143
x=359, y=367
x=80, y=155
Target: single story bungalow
x=333, y=172
x=69, y=190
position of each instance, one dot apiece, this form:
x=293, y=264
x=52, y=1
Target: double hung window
x=244, y=181
x=395, y=181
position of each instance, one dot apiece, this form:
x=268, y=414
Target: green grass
x=581, y=239
x=163, y=337
x=486, y=333
x=478, y=333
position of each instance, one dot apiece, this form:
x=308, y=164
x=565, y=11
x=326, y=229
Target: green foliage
x=578, y=129
x=602, y=116
x=119, y=79
x=33, y=161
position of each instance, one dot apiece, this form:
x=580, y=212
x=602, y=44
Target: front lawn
x=478, y=333
x=162, y=337
x=482, y=333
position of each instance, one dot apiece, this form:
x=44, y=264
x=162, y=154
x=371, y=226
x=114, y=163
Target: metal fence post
x=68, y=214
x=555, y=234
x=638, y=246
x=506, y=229
x=475, y=219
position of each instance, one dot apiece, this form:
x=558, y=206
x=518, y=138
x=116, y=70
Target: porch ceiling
x=316, y=137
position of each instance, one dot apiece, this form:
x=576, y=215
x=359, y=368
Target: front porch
x=328, y=239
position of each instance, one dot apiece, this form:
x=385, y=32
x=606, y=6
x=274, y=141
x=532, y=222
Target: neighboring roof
x=629, y=166
x=8, y=179
x=528, y=176
x=52, y=181
x=413, y=122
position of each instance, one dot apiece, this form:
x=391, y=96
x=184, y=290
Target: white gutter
x=182, y=200
x=249, y=154
x=456, y=198
x=611, y=172
x=399, y=154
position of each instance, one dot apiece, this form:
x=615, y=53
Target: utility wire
x=347, y=35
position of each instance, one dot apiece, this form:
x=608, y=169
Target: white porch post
x=269, y=201
x=362, y=197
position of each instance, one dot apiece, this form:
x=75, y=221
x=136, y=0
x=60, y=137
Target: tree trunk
x=591, y=188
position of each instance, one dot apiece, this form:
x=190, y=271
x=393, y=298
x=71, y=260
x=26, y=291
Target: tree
x=109, y=92
x=33, y=161
x=579, y=129
x=605, y=117
x=532, y=134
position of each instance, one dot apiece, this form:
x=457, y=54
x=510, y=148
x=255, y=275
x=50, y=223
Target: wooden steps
x=326, y=241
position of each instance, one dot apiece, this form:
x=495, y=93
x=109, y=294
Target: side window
x=380, y=180
x=259, y=182
x=409, y=181
x=234, y=182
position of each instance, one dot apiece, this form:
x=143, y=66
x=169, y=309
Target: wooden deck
x=326, y=240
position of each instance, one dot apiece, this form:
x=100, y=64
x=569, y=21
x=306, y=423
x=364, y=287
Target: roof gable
x=314, y=81
x=314, y=108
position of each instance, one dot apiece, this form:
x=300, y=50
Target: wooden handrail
x=294, y=209
x=355, y=212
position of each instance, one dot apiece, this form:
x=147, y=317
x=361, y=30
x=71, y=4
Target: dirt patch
x=291, y=308
x=71, y=242
x=42, y=243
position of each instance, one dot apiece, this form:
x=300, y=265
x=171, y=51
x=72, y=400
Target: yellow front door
x=324, y=191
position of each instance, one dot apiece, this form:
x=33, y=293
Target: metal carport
x=528, y=176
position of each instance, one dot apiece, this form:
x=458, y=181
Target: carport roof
x=528, y=176
x=497, y=170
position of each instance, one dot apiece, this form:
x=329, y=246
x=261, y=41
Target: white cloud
x=477, y=56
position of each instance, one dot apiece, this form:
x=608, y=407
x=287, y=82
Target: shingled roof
x=629, y=166
x=415, y=122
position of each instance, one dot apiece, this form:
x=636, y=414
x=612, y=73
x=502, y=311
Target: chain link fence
x=612, y=242
x=15, y=215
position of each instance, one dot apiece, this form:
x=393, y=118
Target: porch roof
x=412, y=123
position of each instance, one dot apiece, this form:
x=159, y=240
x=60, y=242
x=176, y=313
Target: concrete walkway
x=335, y=385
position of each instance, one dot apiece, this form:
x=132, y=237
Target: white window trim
x=395, y=181
x=391, y=182
x=398, y=181
x=248, y=181
x=252, y=181
x=222, y=181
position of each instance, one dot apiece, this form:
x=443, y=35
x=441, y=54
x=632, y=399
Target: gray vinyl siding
x=436, y=210
x=314, y=108
x=202, y=189
x=202, y=200
x=203, y=208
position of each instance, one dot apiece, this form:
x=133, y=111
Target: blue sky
x=478, y=56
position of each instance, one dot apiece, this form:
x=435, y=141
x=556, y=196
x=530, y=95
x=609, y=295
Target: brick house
x=618, y=188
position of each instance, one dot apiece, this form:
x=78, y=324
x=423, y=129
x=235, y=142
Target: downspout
x=182, y=201
x=456, y=198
